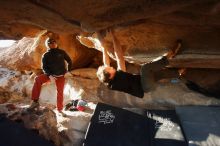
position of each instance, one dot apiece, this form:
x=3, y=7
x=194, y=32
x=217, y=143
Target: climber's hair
x=103, y=75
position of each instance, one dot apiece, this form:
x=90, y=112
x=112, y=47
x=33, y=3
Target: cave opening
x=6, y=43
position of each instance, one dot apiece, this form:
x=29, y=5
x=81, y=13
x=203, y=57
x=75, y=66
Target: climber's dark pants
x=148, y=71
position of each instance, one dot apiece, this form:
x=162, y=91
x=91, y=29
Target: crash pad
x=114, y=126
x=165, y=128
x=201, y=124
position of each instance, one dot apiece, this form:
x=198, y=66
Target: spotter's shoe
x=34, y=105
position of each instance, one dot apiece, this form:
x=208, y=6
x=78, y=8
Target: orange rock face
x=26, y=53
x=146, y=29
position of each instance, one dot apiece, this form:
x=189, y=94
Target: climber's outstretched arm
x=118, y=52
x=105, y=56
x=106, y=59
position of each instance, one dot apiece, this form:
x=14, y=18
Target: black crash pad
x=113, y=126
x=201, y=124
x=165, y=128
x=15, y=134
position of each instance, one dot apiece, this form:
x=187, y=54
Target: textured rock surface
x=26, y=53
x=145, y=28
x=166, y=94
x=65, y=131
x=96, y=15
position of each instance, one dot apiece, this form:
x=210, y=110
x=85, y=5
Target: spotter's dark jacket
x=53, y=62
